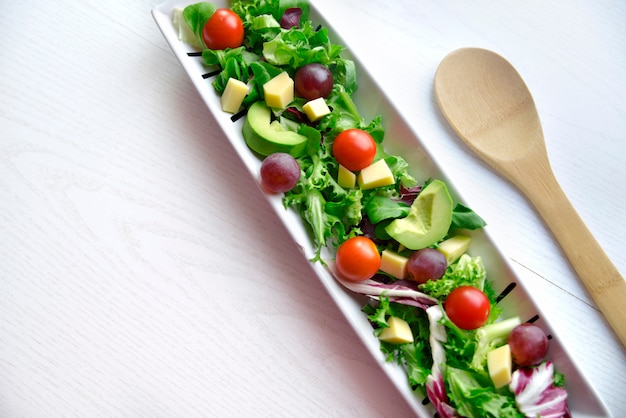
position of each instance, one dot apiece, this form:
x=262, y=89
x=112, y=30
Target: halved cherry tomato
x=357, y=259
x=354, y=149
x=223, y=30
x=467, y=307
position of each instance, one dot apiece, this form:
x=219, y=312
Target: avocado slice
x=428, y=221
x=265, y=137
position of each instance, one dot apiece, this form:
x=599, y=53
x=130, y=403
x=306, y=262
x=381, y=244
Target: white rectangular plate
x=401, y=140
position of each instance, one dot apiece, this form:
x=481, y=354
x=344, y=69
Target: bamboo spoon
x=489, y=106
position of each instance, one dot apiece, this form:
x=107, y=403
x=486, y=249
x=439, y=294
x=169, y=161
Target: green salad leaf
x=475, y=397
x=332, y=211
x=379, y=208
x=296, y=47
x=467, y=271
x=465, y=218
x=414, y=357
x=196, y=15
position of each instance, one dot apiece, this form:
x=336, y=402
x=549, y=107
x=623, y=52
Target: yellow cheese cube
x=393, y=263
x=316, y=109
x=499, y=366
x=398, y=331
x=376, y=175
x=233, y=95
x=346, y=178
x=279, y=91
x=454, y=247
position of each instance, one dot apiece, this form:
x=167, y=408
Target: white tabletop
x=142, y=274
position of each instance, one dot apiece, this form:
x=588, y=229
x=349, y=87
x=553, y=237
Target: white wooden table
x=141, y=273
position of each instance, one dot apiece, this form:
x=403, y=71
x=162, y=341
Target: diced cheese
x=233, y=95
x=316, y=109
x=279, y=91
x=398, y=331
x=499, y=366
x=454, y=247
x=376, y=175
x=346, y=178
x=393, y=263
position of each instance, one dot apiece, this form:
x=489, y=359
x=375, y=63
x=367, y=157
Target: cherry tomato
x=354, y=149
x=467, y=307
x=223, y=30
x=357, y=259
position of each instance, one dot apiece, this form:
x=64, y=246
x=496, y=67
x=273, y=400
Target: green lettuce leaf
x=296, y=47
x=416, y=357
x=465, y=218
x=475, y=397
x=379, y=208
x=196, y=15
x=467, y=271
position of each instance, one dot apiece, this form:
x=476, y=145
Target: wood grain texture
x=141, y=274
x=488, y=105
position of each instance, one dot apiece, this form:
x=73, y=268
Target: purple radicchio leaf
x=408, y=194
x=395, y=292
x=436, y=391
x=535, y=393
x=300, y=116
x=369, y=230
x=435, y=386
x=291, y=18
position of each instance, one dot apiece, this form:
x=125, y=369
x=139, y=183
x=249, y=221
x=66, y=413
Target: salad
x=402, y=242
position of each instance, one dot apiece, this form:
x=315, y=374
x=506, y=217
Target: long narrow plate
x=400, y=140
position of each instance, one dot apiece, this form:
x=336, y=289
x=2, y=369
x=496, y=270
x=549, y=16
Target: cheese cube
x=233, y=95
x=346, y=178
x=316, y=109
x=454, y=247
x=393, y=263
x=279, y=91
x=398, y=331
x=376, y=175
x=499, y=366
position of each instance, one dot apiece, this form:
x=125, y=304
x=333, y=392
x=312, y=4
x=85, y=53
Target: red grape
x=426, y=264
x=528, y=343
x=280, y=172
x=313, y=81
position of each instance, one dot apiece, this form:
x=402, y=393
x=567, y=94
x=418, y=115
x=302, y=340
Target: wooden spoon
x=489, y=106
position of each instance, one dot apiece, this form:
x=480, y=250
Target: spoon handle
x=601, y=278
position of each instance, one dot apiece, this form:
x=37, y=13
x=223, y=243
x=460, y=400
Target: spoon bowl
x=490, y=108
